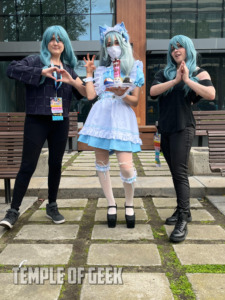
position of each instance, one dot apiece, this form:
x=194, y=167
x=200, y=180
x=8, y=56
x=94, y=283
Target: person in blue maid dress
x=111, y=125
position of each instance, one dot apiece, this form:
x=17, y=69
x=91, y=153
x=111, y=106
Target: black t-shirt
x=175, y=108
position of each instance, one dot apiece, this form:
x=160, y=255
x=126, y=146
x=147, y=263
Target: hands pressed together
x=182, y=73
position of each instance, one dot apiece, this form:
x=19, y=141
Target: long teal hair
x=67, y=56
x=126, y=58
x=170, y=70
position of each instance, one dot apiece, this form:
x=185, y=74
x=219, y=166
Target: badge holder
x=56, y=102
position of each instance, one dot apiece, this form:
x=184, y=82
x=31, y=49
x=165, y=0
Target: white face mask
x=114, y=52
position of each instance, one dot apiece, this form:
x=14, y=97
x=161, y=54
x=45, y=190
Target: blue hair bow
x=118, y=28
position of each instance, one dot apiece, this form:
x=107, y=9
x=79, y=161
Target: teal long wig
x=191, y=56
x=126, y=58
x=67, y=56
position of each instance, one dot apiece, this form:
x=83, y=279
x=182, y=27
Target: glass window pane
x=184, y=24
x=209, y=25
x=53, y=20
x=102, y=6
x=153, y=6
x=209, y=5
x=97, y=20
x=184, y=5
x=28, y=7
x=7, y=7
x=12, y=90
x=53, y=7
x=78, y=7
x=158, y=26
x=29, y=28
x=78, y=27
x=8, y=29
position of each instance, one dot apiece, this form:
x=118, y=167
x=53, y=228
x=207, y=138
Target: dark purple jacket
x=28, y=70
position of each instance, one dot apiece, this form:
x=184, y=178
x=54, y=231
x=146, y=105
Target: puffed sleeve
x=27, y=70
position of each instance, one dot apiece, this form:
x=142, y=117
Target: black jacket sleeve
x=27, y=70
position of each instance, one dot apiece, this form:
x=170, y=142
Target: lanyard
x=57, y=84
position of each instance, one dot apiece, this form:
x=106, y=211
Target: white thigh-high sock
x=102, y=167
x=128, y=176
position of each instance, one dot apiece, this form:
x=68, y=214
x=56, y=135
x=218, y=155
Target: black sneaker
x=180, y=230
x=10, y=219
x=174, y=218
x=53, y=213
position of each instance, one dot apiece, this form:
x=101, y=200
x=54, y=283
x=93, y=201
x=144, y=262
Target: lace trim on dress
x=123, y=136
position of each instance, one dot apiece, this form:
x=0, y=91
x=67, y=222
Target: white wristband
x=88, y=79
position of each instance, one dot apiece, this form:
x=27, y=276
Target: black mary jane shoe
x=111, y=219
x=130, y=220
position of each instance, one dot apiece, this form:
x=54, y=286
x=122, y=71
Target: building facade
x=150, y=23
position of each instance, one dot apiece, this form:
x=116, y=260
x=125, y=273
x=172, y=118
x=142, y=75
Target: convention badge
x=56, y=108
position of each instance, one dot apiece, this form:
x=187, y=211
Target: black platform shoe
x=180, y=230
x=174, y=218
x=111, y=219
x=130, y=220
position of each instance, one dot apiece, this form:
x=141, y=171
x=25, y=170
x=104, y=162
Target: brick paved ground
x=152, y=267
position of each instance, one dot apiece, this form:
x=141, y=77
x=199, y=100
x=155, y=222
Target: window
x=194, y=18
x=26, y=20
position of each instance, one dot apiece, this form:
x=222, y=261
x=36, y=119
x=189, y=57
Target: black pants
x=38, y=129
x=176, y=149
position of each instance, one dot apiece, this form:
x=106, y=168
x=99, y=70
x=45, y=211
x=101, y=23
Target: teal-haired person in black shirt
x=178, y=86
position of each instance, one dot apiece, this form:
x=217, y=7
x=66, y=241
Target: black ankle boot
x=174, y=218
x=111, y=219
x=130, y=220
x=180, y=230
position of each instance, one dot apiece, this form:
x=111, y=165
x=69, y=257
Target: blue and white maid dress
x=111, y=123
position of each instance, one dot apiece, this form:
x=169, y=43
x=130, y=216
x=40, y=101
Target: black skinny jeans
x=176, y=149
x=38, y=129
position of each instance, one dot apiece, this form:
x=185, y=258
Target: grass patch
x=182, y=286
x=220, y=269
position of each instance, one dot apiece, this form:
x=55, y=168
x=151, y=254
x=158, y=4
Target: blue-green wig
x=67, y=56
x=126, y=58
x=170, y=70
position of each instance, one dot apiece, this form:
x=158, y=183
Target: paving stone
x=84, y=168
x=138, y=202
x=9, y=290
x=140, y=215
x=152, y=164
x=197, y=215
x=84, y=160
x=2, y=230
x=79, y=164
x=135, y=286
x=69, y=215
x=117, y=254
x=202, y=232
x=198, y=254
x=36, y=254
x=172, y=202
x=218, y=202
x=47, y=232
x=63, y=203
x=155, y=168
x=157, y=173
x=79, y=173
x=121, y=232
x=208, y=286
